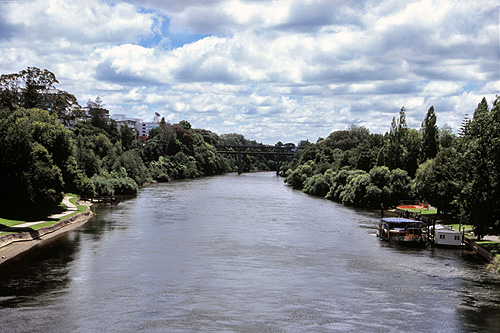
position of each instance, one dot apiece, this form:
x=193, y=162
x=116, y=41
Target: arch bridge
x=256, y=150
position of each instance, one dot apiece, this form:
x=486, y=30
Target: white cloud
x=280, y=70
x=86, y=21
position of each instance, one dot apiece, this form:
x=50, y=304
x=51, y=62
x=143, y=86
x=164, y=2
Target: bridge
x=255, y=150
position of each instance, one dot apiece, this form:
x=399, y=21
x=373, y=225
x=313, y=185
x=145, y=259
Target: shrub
x=103, y=186
x=124, y=185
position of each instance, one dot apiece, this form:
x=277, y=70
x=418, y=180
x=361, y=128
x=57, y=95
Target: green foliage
x=127, y=137
x=134, y=166
x=430, y=135
x=436, y=180
x=317, y=185
x=402, y=146
x=35, y=88
x=124, y=185
x=104, y=187
x=298, y=177
x=35, y=150
x=479, y=163
x=185, y=125
x=361, y=189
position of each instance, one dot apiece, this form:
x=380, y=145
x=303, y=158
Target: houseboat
x=447, y=237
x=402, y=231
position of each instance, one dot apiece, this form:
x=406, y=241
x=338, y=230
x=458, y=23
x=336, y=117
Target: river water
x=241, y=253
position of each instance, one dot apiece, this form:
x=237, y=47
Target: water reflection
x=243, y=253
x=41, y=271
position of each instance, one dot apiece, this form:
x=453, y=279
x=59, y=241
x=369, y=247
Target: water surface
x=242, y=253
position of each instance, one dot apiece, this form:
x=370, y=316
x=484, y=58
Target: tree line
x=45, y=152
x=459, y=174
x=42, y=156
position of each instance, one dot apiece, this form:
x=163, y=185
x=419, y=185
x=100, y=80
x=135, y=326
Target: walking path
x=14, y=244
x=491, y=238
x=70, y=209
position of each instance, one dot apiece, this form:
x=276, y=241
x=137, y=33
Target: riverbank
x=15, y=244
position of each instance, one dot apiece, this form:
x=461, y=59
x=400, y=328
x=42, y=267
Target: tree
x=402, y=146
x=478, y=162
x=35, y=88
x=98, y=114
x=184, y=124
x=436, y=180
x=430, y=135
x=394, y=150
x=446, y=137
x=35, y=152
x=303, y=144
x=127, y=137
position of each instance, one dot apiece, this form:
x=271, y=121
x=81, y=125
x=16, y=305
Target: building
x=446, y=236
x=144, y=128
x=140, y=126
x=122, y=120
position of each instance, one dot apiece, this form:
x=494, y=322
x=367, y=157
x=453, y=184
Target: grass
x=424, y=211
x=468, y=228
x=491, y=246
x=62, y=207
x=10, y=223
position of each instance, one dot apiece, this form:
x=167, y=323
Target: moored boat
x=402, y=231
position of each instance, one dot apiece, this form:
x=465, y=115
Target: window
x=457, y=237
x=442, y=236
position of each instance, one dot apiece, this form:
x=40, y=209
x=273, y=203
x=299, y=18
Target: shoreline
x=13, y=245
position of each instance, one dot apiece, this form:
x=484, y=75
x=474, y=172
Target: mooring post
x=239, y=162
x=278, y=162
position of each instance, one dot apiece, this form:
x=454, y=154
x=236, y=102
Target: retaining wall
x=36, y=234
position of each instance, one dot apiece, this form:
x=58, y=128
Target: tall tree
x=480, y=179
x=394, y=151
x=36, y=152
x=35, y=88
x=430, y=135
x=98, y=114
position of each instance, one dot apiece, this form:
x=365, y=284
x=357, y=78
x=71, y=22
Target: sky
x=270, y=70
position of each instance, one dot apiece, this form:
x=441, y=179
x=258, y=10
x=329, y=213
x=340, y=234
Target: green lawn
x=468, y=228
x=9, y=223
x=493, y=247
x=74, y=197
x=421, y=211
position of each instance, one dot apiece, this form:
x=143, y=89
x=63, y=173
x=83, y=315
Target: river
x=241, y=253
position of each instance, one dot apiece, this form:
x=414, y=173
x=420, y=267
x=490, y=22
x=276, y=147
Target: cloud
x=272, y=70
x=88, y=22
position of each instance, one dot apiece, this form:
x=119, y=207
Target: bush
x=124, y=185
x=103, y=186
x=317, y=185
x=300, y=175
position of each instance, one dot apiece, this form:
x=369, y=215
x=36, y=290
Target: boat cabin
x=401, y=230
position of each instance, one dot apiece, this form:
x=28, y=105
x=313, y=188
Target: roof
x=444, y=229
x=399, y=220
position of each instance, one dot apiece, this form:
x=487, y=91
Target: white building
x=446, y=236
x=144, y=128
x=141, y=127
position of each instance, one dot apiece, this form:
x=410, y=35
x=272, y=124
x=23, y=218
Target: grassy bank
x=45, y=220
x=424, y=211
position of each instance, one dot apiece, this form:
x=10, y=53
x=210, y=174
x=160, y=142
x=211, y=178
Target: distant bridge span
x=255, y=150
